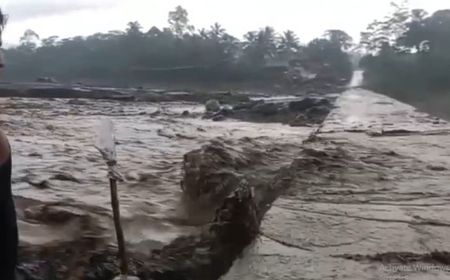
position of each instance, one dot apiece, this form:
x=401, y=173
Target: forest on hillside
x=178, y=53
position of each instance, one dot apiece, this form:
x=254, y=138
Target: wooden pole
x=117, y=224
x=107, y=147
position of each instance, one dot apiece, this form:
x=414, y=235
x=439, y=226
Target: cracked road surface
x=375, y=182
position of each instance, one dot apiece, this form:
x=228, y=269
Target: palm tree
x=216, y=31
x=289, y=42
x=263, y=42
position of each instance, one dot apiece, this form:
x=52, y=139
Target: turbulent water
x=375, y=182
x=55, y=162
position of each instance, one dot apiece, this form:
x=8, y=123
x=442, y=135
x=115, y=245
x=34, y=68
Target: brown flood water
x=55, y=162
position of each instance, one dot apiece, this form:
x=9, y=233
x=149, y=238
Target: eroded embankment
x=364, y=201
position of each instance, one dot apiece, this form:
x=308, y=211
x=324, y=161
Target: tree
x=50, y=41
x=385, y=33
x=328, y=59
x=172, y=54
x=134, y=28
x=339, y=38
x=427, y=33
x=259, y=46
x=289, y=42
x=414, y=62
x=179, y=22
x=216, y=31
x=28, y=39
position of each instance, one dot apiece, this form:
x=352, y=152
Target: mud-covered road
x=369, y=200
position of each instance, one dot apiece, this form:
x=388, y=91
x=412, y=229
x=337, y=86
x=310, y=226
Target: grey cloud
x=19, y=10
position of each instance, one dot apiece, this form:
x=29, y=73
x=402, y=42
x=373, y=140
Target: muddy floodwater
x=55, y=161
x=368, y=192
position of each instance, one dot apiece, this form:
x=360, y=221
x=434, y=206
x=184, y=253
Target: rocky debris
x=435, y=257
x=436, y=168
x=212, y=106
x=53, y=213
x=40, y=184
x=218, y=118
x=163, y=133
x=185, y=113
x=65, y=177
x=156, y=113
x=182, y=136
x=50, y=127
x=308, y=102
x=305, y=112
x=35, y=154
x=317, y=114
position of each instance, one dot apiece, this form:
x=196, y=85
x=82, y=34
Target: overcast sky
x=309, y=18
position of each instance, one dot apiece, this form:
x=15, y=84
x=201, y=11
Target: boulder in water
x=214, y=170
x=212, y=105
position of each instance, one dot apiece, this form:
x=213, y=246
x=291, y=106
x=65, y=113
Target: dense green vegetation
x=409, y=55
x=178, y=53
